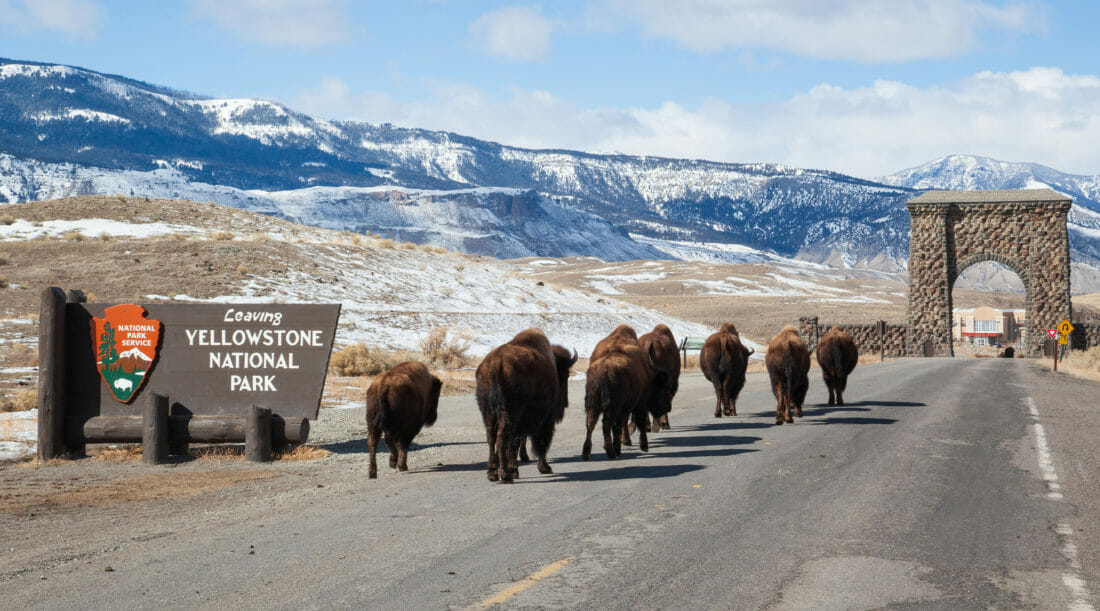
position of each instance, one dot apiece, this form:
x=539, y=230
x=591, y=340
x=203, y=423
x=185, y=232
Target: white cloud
x=867, y=31
x=299, y=23
x=518, y=33
x=1041, y=115
x=77, y=19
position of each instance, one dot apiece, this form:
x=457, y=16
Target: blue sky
x=865, y=87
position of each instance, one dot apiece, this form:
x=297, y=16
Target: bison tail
x=788, y=372
x=605, y=396
x=377, y=416
x=838, y=360
x=496, y=394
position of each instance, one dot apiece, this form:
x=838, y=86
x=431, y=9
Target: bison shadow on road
x=725, y=424
x=658, y=440
x=359, y=446
x=852, y=420
x=614, y=471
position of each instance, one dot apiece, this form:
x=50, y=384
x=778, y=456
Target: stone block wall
x=871, y=338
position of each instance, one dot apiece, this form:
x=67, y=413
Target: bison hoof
x=372, y=474
x=493, y=476
x=402, y=467
x=393, y=463
x=544, y=468
x=778, y=421
x=840, y=401
x=717, y=414
x=643, y=447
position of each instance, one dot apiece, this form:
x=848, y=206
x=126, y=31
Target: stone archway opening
x=988, y=309
x=950, y=231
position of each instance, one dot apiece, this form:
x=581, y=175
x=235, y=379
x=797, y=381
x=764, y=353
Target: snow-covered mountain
x=974, y=172
x=69, y=131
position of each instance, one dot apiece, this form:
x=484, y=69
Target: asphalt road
x=942, y=484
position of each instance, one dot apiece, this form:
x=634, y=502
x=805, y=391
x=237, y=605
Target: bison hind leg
x=523, y=456
x=391, y=445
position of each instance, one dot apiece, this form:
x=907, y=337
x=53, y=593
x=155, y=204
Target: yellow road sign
x=1063, y=339
x=1065, y=327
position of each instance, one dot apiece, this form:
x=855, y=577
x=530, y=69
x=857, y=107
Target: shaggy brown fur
x=522, y=392
x=399, y=402
x=622, y=383
x=788, y=362
x=661, y=346
x=837, y=354
x=723, y=360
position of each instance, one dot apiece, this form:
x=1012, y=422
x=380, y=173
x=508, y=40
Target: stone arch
x=1023, y=230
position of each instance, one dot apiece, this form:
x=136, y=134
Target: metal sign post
x=1053, y=333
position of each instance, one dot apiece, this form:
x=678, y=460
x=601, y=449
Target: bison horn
x=575, y=355
x=751, y=350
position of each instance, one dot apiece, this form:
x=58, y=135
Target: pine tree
x=107, y=353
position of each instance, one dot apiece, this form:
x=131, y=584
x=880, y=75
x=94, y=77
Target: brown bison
x=622, y=383
x=522, y=393
x=661, y=346
x=837, y=355
x=399, y=402
x=723, y=360
x=788, y=362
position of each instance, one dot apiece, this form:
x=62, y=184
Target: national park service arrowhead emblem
x=125, y=344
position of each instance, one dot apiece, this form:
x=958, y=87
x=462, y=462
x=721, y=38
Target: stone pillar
x=929, y=272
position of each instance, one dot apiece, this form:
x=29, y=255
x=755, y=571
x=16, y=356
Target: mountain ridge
x=71, y=131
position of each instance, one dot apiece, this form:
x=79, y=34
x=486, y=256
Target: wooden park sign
x=206, y=365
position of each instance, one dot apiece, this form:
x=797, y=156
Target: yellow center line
x=541, y=574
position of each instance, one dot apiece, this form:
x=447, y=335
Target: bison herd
x=522, y=390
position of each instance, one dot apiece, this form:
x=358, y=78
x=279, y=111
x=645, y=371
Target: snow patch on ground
x=18, y=434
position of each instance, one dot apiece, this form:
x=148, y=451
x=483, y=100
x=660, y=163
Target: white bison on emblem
x=124, y=384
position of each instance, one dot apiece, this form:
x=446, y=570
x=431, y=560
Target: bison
x=622, y=383
x=837, y=355
x=723, y=360
x=399, y=402
x=522, y=392
x=788, y=362
x=661, y=346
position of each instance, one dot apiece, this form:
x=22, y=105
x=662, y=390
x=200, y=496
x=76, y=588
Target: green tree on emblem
x=107, y=353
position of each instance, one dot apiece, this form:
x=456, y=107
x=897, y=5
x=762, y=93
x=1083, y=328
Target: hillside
x=132, y=249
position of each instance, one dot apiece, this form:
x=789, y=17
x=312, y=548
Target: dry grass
x=302, y=452
x=362, y=360
x=22, y=401
x=126, y=453
x=1082, y=363
x=230, y=452
x=222, y=235
x=7, y=219
x=9, y=428
x=75, y=236
x=445, y=350
x=19, y=355
x=3, y=282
